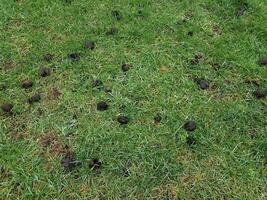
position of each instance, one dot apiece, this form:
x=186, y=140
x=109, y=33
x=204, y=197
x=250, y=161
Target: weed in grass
x=34, y=98
x=190, y=126
x=7, y=107
x=44, y=71
x=26, y=84
x=102, y=105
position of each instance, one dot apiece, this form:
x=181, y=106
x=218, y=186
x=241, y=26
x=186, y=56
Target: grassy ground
x=47, y=148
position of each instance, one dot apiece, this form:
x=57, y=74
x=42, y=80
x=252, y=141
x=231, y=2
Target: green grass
x=229, y=158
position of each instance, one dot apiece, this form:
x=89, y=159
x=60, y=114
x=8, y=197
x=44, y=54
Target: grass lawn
x=133, y=99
